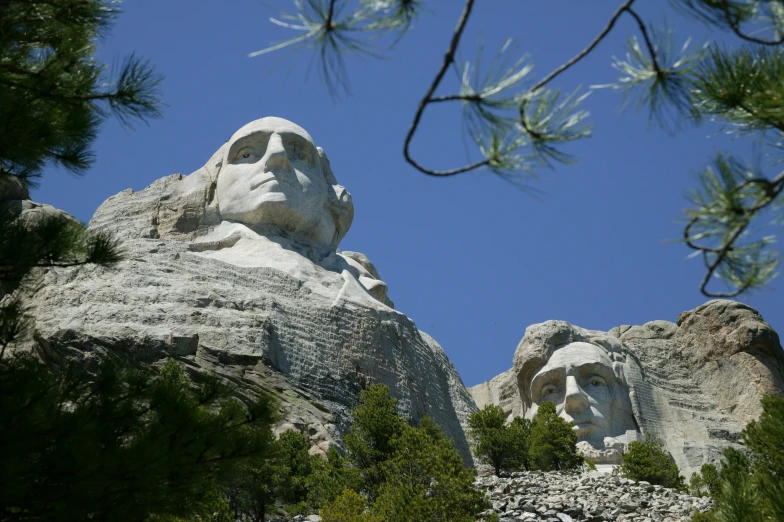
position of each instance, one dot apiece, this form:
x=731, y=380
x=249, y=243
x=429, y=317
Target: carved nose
x=575, y=400
x=276, y=157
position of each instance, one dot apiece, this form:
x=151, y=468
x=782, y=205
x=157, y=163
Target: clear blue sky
x=470, y=259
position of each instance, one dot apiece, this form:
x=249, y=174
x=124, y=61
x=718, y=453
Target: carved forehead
x=577, y=354
x=268, y=125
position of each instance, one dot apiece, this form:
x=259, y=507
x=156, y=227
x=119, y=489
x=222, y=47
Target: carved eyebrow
x=245, y=141
x=298, y=140
x=540, y=379
x=596, y=368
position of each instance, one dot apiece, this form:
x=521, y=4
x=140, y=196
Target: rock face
x=592, y=496
x=694, y=384
x=235, y=269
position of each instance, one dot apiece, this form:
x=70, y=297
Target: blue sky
x=471, y=259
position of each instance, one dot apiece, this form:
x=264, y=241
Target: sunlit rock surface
x=694, y=384
x=235, y=268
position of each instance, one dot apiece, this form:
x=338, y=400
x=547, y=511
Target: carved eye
x=547, y=390
x=301, y=156
x=597, y=381
x=245, y=153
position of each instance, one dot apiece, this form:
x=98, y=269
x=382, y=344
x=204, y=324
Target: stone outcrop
x=591, y=496
x=694, y=384
x=265, y=299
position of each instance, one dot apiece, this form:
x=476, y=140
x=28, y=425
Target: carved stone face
x=580, y=380
x=272, y=175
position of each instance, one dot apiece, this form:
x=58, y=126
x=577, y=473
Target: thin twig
x=735, y=26
x=579, y=56
x=774, y=188
x=648, y=43
x=329, y=24
x=449, y=58
x=582, y=54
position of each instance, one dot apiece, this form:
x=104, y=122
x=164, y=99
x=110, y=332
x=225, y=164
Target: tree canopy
x=123, y=443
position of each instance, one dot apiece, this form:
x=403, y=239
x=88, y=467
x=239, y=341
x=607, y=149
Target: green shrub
x=330, y=477
x=349, y=506
x=553, y=441
x=369, y=443
x=426, y=480
x=501, y=445
x=398, y=472
x=649, y=461
x=751, y=490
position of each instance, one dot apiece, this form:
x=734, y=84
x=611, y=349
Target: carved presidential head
x=271, y=173
x=583, y=372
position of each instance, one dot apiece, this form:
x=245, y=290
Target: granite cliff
x=694, y=383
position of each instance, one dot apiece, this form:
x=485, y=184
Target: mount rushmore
x=235, y=269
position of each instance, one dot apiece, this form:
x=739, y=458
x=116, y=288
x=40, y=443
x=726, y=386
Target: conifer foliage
x=419, y=475
x=751, y=488
x=53, y=96
x=54, y=93
x=122, y=444
x=649, y=461
x=553, y=442
x=503, y=446
x=521, y=122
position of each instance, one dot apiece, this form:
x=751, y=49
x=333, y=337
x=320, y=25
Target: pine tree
x=369, y=443
x=750, y=489
x=121, y=444
x=54, y=95
x=419, y=474
x=426, y=480
x=503, y=446
x=330, y=477
x=553, y=441
x=649, y=461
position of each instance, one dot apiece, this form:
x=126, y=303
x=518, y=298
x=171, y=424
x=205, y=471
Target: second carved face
x=580, y=380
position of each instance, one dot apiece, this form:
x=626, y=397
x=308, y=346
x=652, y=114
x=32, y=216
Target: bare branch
x=734, y=24
x=585, y=52
x=449, y=58
x=648, y=43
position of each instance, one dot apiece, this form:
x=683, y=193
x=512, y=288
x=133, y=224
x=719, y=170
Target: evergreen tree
x=330, y=477
x=295, y=466
x=553, y=441
x=765, y=439
x=520, y=436
x=54, y=95
x=751, y=489
x=369, y=443
x=705, y=481
x=349, y=506
x=421, y=476
x=278, y=478
x=122, y=444
x=503, y=446
x=426, y=480
x=649, y=461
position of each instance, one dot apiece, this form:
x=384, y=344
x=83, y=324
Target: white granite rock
x=235, y=269
x=694, y=384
